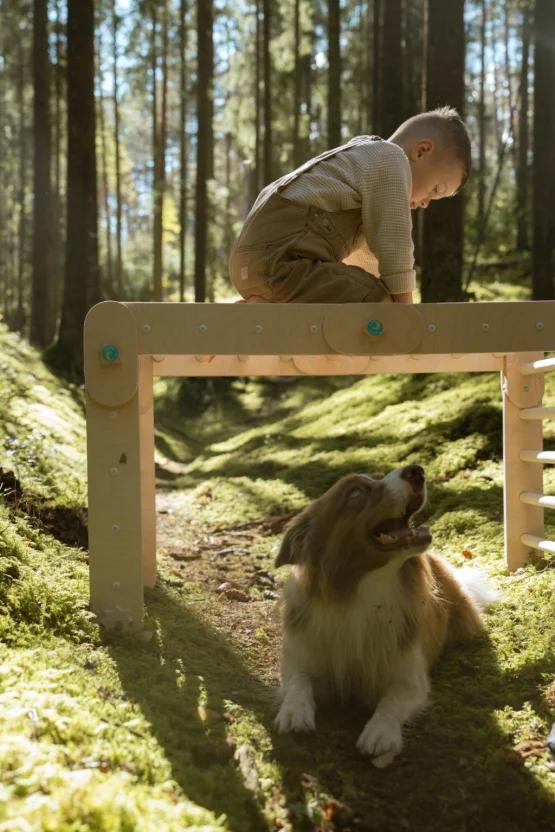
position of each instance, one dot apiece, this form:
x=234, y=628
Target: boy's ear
x=422, y=148
x=293, y=540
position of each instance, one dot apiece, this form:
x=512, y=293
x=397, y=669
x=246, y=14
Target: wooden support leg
x=520, y=391
x=120, y=450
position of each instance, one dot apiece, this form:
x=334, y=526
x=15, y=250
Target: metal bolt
x=116, y=527
x=539, y=325
x=203, y=328
x=114, y=471
x=259, y=328
x=485, y=327
x=313, y=328
x=109, y=353
x=432, y=327
x=116, y=585
x=146, y=327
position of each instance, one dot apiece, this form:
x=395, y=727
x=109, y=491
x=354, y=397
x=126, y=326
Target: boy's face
x=434, y=174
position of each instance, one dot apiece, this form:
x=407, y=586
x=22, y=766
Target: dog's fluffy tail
x=478, y=584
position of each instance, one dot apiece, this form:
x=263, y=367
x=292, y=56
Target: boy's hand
x=404, y=297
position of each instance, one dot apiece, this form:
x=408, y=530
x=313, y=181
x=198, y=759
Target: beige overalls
x=290, y=252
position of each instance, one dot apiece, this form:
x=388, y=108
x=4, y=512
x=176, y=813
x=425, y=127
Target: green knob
x=109, y=353
x=375, y=327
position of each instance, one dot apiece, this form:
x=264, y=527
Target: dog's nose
x=414, y=474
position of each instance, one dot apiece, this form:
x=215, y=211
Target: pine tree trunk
x=522, y=190
x=267, y=99
x=376, y=63
x=58, y=254
x=442, y=238
x=544, y=151
x=182, y=144
x=391, y=88
x=334, y=74
x=256, y=172
x=297, y=85
x=160, y=167
x=119, y=262
x=109, y=276
x=204, y=131
x=81, y=286
x=482, y=120
x=17, y=314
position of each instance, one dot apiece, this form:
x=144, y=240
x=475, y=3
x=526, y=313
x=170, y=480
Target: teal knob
x=375, y=327
x=109, y=353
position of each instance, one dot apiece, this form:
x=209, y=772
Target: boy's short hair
x=450, y=129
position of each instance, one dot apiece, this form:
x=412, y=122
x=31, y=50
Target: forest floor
x=174, y=729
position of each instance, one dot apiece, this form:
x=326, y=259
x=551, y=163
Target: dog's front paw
x=295, y=716
x=382, y=740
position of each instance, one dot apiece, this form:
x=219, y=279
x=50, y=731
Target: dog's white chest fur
x=352, y=649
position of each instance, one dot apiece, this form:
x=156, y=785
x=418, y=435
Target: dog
x=366, y=610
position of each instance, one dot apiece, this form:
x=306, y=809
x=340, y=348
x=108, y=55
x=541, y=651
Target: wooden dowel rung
x=533, y=498
x=537, y=456
x=543, y=365
x=538, y=413
x=538, y=543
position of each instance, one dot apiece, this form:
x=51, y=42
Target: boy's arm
x=387, y=221
x=365, y=259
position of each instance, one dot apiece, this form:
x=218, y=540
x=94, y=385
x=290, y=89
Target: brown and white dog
x=366, y=610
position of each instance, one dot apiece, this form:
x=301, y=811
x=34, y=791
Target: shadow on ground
x=457, y=772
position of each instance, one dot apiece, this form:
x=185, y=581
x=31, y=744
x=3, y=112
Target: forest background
x=135, y=135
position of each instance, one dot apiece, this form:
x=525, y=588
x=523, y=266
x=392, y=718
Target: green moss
x=175, y=730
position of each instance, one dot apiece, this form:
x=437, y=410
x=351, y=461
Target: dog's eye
x=355, y=492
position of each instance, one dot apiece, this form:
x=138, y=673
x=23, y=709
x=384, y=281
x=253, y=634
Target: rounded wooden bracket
x=523, y=391
x=367, y=328
x=111, y=353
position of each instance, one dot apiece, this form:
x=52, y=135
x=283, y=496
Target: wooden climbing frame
x=127, y=344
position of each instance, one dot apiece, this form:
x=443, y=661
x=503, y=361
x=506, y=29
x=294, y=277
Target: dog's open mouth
x=395, y=533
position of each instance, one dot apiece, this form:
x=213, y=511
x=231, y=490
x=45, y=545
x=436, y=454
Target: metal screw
x=146, y=327
x=259, y=328
x=114, y=471
x=539, y=325
x=432, y=327
x=116, y=527
x=203, y=328
x=313, y=328
x=116, y=585
x=113, y=414
x=485, y=327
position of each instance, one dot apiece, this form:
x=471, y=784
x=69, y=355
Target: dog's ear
x=293, y=540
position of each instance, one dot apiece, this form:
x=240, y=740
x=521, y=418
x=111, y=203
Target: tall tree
x=205, y=72
x=117, y=150
x=182, y=144
x=482, y=119
x=108, y=282
x=376, y=64
x=522, y=239
x=267, y=72
x=391, y=87
x=159, y=185
x=81, y=285
x=442, y=238
x=544, y=151
x=334, y=73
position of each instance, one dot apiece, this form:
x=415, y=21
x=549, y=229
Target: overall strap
x=280, y=184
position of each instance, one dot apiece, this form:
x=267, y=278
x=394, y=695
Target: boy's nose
x=424, y=203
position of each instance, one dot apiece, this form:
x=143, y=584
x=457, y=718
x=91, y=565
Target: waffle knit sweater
x=374, y=176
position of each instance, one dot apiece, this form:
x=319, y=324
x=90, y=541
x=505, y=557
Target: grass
x=173, y=730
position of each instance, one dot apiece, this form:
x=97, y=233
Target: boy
x=338, y=229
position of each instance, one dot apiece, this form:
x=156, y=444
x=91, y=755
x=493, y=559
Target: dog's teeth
x=386, y=538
